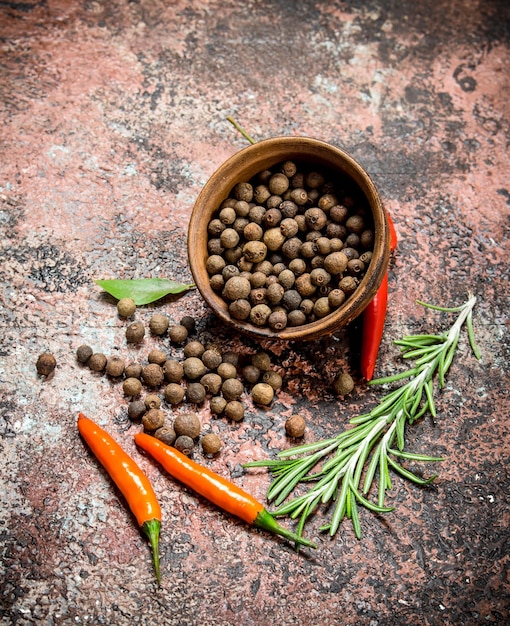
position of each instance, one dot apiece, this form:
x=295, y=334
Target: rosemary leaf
x=364, y=455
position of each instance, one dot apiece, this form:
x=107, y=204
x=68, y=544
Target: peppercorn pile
x=189, y=372
x=289, y=247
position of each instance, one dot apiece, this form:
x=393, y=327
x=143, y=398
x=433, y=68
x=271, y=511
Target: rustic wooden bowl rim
x=245, y=164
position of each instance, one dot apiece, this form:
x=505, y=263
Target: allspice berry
x=236, y=288
x=343, y=384
x=133, y=370
x=272, y=378
x=152, y=375
x=188, y=322
x=262, y=393
x=178, y=334
x=295, y=426
x=227, y=370
x=132, y=387
x=232, y=389
x=260, y=314
x=193, y=368
x=159, y=324
x=166, y=434
x=217, y=405
x=173, y=370
x=336, y=263
x=153, y=419
x=211, y=443
x=234, y=410
x=97, y=362
x=136, y=410
x=277, y=320
x=152, y=401
x=115, y=366
x=187, y=424
x=46, y=364
x=157, y=356
x=135, y=332
x=195, y=393
x=211, y=358
x=251, y=374
x=174, y=393
x=194, y=348
x=83, y=353
x=212, y=383
x=262, y=361
x=126, y=307
x=184, y=445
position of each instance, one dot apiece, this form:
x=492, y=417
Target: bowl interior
x=243, y=166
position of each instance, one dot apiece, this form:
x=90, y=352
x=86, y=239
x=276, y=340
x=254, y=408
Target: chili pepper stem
x=151, y=530
x=266, y=521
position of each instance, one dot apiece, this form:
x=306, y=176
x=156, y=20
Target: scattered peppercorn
x=46, y=364
x=343, y=384
x=211, y=358
x=132, y=387
x=152, y=375
x=133, y=370
x=152, y=401
x=153, y=419
x=234, y=410
x=174, y=393
x=189, y=323
x=232, y=389
x=166, y=434
x=83, y=353
x=272, y=378
x=126, y=307
x=211, y=443
x=157, y=356
x=178, y=333
x=173, y=370
x=135, y=332
x=195, y=393
x=217, y=405
x=115, y=366
x=158, y=324
x=97, y=362
x=295, y=426
x=184, y=444
x=262, y=361
x=193, y=368
x=136, y=410
x=262, y=393
x=187, y=424
x=194, y=348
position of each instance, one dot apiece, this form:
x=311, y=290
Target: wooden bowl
x=241, y=167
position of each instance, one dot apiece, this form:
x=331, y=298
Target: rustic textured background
x=113, y=117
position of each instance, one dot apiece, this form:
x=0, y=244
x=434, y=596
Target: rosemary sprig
x=375, y=445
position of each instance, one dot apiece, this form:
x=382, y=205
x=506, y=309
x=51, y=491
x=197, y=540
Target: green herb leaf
x=143, y=290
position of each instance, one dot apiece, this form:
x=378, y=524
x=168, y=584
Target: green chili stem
x=151, y=531
x=266, y=521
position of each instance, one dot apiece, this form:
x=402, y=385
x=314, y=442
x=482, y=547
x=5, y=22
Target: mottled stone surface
x=113, y=117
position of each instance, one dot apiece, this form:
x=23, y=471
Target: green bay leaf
x=143, y=290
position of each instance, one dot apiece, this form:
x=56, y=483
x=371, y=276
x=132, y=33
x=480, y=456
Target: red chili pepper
x=374, y=317
x=215, y=488
x=393, y=233
x=129, y=478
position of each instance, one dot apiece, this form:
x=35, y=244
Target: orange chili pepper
x=215, y=488
x=373, y=318
x=129, y=478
